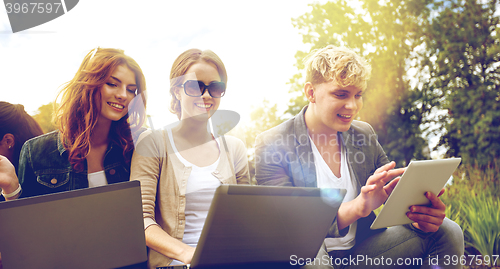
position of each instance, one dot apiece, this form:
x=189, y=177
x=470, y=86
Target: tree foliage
x=462, y=60
x=428, y=57
x=263, y=118
x=384, y=32
x=44, y=117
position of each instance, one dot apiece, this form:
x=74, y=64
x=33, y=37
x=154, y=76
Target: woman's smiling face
x=205, y=104
x=117, y=93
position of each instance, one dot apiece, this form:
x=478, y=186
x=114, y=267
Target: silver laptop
x=263, y=226
x=99, y=227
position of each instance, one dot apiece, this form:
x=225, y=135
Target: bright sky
x=255, y=40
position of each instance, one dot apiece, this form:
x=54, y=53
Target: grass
x=473, y=202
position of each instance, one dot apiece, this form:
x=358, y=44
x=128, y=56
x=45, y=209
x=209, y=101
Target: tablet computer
x=419, y=177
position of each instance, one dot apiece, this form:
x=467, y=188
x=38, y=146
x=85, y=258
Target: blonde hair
x=339, y=64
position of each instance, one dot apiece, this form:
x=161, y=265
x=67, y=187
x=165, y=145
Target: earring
x=10, y=147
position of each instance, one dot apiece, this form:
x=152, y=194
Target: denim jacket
x=44, y=167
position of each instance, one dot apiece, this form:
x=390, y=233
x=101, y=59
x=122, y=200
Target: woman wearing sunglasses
x=101, y=108
x=179, y=168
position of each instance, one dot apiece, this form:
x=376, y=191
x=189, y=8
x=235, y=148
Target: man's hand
x=428, y=218
x=8, y=177
x=376, y=192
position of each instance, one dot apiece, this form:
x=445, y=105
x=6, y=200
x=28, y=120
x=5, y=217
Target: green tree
x=384, y=32
x=462, y=60
x=44, y=117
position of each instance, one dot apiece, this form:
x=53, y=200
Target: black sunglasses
x=196, y=88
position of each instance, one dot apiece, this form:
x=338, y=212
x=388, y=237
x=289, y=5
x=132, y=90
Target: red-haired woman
x=101, y=109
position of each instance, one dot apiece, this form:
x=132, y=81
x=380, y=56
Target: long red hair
x=79, y=108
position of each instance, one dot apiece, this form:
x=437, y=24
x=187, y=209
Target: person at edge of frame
x=323, y=146
x=16, y=127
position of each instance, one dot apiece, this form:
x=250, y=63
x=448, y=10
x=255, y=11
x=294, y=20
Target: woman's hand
x=187, y=255
x=162, y=242
x=376, y=192
x=8, y=177
x=428, y=218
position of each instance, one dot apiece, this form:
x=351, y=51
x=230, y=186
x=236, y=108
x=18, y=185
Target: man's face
x=335, y=107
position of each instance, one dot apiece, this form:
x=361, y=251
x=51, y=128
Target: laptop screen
x=99, y=227
x=265, y=224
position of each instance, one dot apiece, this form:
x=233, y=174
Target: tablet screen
x=419, y=177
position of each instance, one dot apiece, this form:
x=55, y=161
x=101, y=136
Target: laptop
x=264, y=226
x=99, y=227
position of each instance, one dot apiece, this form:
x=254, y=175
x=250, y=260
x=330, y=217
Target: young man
x=323, y=146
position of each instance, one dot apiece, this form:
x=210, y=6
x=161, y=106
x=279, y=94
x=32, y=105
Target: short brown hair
x=14, y=120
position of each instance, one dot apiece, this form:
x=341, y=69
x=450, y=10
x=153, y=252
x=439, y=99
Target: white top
x=97, y=179
x=200, y=190
x=326, y=179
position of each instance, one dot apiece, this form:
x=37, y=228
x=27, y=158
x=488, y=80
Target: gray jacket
x=284, y=157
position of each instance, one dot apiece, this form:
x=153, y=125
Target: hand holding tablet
x=428, y=218
x=420, y=177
